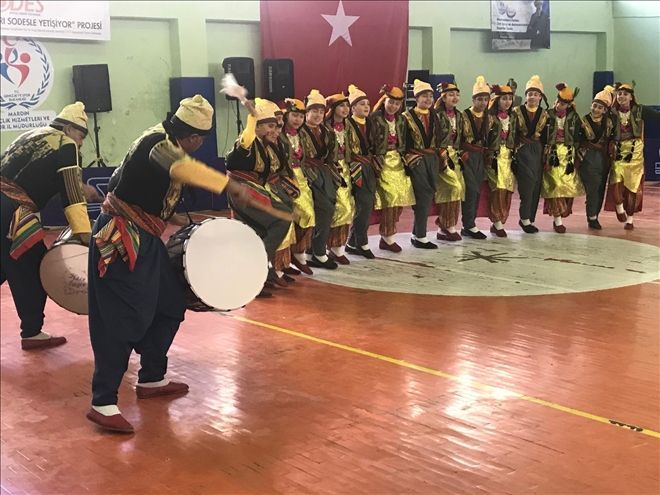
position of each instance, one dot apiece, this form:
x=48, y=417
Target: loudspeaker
x=602, y=79
x=243, y=70
x=92, y=87
x=422, y=75
x=278, y=78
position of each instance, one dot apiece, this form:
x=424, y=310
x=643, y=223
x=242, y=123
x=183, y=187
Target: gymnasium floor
x=547, y=381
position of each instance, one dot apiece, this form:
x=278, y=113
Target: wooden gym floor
x=326, y=389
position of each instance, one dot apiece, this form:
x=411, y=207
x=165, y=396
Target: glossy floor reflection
x=342, y=390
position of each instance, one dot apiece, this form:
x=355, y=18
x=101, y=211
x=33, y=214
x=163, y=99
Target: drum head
x=225, y=263
x=63, y=274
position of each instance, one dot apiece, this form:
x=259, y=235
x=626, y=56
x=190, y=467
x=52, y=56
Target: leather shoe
x=342, y=260
x=33, y=344
x=264, y=294
x=360, y=252
x=328, y=264
x=111, y=423
x=498, y=232
x=629, y=226
x=594, y=224
x=474, y=235
x=303, y=268
x=289, y=270
x=449, y=236
x=394, y=247
x=560, y=229
x=622, y=217
x=528, y=229
x=423, y=245
x=287, y=279
x=172, y=388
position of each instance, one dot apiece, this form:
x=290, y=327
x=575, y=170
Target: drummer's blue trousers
x=137, y=310
x=22, y=275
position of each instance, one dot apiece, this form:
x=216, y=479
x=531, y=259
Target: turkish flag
x=337, y=43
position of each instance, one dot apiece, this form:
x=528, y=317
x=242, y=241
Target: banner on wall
x=26, y=78
x=520, y=25
x=52, y=19
x=338, y=42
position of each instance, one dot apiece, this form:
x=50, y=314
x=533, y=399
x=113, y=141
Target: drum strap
x=25, y=228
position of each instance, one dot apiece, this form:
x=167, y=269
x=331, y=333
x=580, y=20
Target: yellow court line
x=430, y=371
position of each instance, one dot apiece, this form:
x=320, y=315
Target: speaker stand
x=239, y=123
x=98, y=161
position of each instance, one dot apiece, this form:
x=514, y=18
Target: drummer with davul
x=136, y=301
x=37, y=165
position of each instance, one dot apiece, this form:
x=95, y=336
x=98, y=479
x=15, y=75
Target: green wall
x=152, y=42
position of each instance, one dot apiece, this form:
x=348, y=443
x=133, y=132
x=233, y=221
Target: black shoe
x=528, y=229
x=288, y=279
x=360, y=252
x=317, y=263
x=474, y=235
x=423, y=245
x=594, y=224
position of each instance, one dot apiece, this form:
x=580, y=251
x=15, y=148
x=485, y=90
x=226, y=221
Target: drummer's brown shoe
x=34, y=344
x=115, y=422
x=172, y=388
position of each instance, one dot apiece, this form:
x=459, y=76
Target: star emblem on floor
x=490, y=258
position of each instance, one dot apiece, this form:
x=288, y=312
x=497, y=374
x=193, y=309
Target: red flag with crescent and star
x=337, y=43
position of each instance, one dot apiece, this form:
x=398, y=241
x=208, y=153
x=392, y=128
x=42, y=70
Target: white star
x=340, y=23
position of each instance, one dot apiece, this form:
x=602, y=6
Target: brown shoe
x=342, y=260
x=303, y=268
x=629, y=226
x=111, y=423
x=394, y=247
x=172, y=388
x=291, y=271
x=498, y=232
x=289, y=280
x=449, y=236
x=33, y=344
x=560, y=229
x=621, y=217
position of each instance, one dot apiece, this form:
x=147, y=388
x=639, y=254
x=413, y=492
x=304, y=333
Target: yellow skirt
x=504, y=178
x=303, y=205
x=556, y=183
x=451, y=186
x=394, y=186
x=345, y=207
x=630, y=173
x=290, y=237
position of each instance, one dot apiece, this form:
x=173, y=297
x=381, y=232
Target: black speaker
x=602, y=79
x=278, y=78
x=92, y=86
x=243, y=70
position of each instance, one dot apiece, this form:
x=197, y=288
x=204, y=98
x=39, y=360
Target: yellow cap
x=480, y=86
x=388, y=91
x=606, y=96
x=566, y=94
x=314, y=99
x=75, y=115
x=534, y=84
x=196, y=112
x=265, y=110
x=355, y=94
x=420, y=87
x=293, y=105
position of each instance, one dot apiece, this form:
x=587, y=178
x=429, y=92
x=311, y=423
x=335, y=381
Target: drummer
x=136, y=301
x=37, y=165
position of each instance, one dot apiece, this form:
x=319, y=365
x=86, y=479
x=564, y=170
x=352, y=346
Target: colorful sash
x=25, y=228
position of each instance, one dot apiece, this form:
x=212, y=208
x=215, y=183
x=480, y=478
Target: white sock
x=499, y=225
x=557, y=221
x=279, y=273
x=452, y=229
x=620, y=209
x=339, y=251
x=630, y=219
x=365, y=247
x=525, y=221
x=322, y=259
x=301, y=258
x=107, y=410
x=389, y=239
x=160, y=383
x=474, y=229
x=593, y=218
x=421, y=239
x=39, y=336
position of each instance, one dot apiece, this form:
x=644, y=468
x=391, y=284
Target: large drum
x=222, y=263
x=63, y=273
